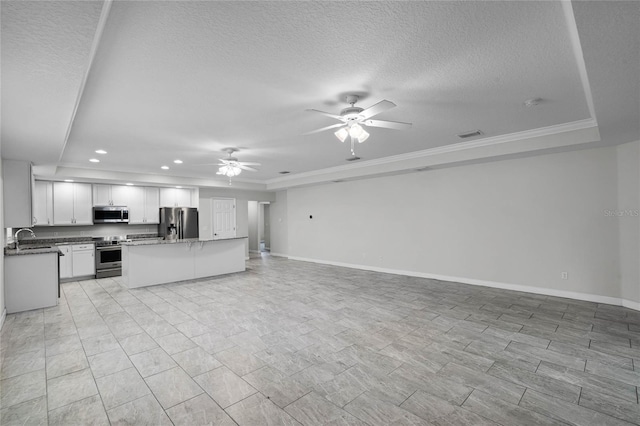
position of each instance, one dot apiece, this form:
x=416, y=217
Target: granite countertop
x=176, y=241
x=30, y=250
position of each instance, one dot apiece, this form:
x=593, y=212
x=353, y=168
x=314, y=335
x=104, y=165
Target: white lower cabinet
x=66, y=262
x=31, y=281
x=84, y=261
x=78, y=260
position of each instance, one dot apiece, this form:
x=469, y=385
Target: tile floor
x=291, y=342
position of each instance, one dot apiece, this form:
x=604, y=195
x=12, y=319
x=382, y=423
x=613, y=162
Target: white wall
x=253, y=225
x=520, y=222
x=242, y=223
x=628, y=221
x=4, y=243
x=279, y=232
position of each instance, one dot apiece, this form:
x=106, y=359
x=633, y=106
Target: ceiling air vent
x=354, y=158
x=467, y=135
x=284, y=172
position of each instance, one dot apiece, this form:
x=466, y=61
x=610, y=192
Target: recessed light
x=179, y=187
x=129, y=184
x=68, y=180
x=101, y=151
x=94, y=160
x=164, y=167
x=177, y=161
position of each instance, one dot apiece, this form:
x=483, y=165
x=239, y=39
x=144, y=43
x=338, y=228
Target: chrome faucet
x=15, y=236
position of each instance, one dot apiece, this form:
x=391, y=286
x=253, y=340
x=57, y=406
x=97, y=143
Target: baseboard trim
x=493, y=284
x=278, y=254
x=631, y=304
x=2, y=318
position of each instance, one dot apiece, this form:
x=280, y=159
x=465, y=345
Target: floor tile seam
x=599, y=352
x=45, y=396
x=615, y=416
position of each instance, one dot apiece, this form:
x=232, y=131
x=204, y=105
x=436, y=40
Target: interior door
x=224, y=218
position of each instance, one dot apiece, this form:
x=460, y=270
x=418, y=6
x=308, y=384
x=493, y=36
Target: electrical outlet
x=564, y=275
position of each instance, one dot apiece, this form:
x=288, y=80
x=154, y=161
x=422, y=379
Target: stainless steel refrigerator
x=178, y=222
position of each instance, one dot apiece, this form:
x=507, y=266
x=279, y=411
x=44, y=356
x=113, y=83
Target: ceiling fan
x=352, y=118
x=231, y=166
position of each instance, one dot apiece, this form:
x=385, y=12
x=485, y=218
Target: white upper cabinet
x=152, y=205
x=72, y=203
x=178, y=197
x=111, y=195
x=144, y=204
x=43, y=203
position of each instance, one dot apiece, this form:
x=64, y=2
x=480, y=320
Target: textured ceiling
x=187, y=79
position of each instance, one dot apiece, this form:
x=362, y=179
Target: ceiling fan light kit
x=231, y=167
x=353, y=118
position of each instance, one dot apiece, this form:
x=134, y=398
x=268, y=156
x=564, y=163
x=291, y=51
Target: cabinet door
x=195, y=198
x=66, y=262
x=136, y=205
x=168, y=197
x=183, y=197
x=43, y=203
x=63, y=203
x=84, y=263
x=152, y=205
x=82, y=207
x=120, y=195
x=101, y=195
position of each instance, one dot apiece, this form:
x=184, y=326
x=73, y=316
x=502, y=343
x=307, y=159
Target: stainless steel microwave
x=110, y=214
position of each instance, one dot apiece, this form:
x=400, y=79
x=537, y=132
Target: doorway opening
x=259, y=227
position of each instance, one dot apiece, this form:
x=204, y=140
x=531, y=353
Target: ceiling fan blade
x=325, y=128
x=247, y=168
x=396, y=125
x=381, y=106
x=248, y=163
x=328, y=114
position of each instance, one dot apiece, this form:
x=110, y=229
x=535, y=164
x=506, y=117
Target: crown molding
x=365, y=167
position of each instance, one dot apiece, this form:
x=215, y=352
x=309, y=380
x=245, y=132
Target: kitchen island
x=146, y=263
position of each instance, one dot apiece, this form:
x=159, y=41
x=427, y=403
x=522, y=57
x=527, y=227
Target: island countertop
x=155, y=262
x=153, y=241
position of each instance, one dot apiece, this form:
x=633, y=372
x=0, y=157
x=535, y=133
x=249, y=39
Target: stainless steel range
x=108, y=256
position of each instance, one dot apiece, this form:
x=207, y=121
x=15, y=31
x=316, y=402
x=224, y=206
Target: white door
x=224, y=218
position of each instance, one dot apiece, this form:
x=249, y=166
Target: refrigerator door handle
x=180, y=219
